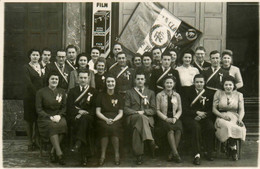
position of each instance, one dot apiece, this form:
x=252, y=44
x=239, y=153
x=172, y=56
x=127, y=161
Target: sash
x=82, y=94
x=70, y=65
x=65, y=78
x=213, y=74
x=196, y=99
x=211, y=88
x=121, y=72
x=146, y=101
x=113, y=65
x=201, y=68
x=162, y=76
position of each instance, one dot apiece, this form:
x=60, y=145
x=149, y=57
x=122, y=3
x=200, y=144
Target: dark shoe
x=53, y=157
x=196, y=161
x=154, y=148
x=117, y=161
x=177, y=158
x=84, y=160
x=170, y=157
x=75, y=148
x=209, y=157
x=61, y=160
x=139, y=160
x=234, y=155
x=101, y=161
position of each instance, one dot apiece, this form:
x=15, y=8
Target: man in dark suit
x=139, y=110
x=214, y=75
x=199, y=61
x=71, y=52
x=62, y=68
x=197, y=118
x=123, y=74
x=156, y=80
x=81, y=111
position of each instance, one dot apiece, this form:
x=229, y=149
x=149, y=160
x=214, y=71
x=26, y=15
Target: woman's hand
x=174, y=120
x=240, y=123
x=168, y=120
x=226, y=117
x=109, y=121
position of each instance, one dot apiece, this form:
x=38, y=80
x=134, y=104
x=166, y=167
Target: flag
x=152, y=25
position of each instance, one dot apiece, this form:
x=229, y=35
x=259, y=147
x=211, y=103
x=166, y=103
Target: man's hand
x=201, y=114
x=83, y=112
x=197, y=118
x=140, y=112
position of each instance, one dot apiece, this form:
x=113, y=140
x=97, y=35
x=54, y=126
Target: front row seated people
x=139, y=109
x=169, y=110
x=51, y=108
x=228, y=106
x=81, y=111
x=197, y=118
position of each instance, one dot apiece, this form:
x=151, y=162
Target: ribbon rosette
x=203, y=99
x=103, y=78
x=43, y=71
x=220, y=77
x=89, y=96
x=114, y=102
x=127, y=75
x=145, y=100
x=59, y=97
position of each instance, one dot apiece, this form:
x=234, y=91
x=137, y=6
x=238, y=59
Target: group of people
x=96, y=98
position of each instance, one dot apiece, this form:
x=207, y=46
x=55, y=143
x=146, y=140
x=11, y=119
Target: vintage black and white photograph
x=130, y=84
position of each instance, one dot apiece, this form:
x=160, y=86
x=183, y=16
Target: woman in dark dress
x=109, y=112
x=33, y=81
x=51, y=108
x=169, y=110
x=100, y=76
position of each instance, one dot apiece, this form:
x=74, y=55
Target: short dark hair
x=136, y=55
x=97, y=48
x=156, y=47
x=188, y=51
x=213, y=52
x=60, y=50
x=200, y=48
x=79, y=56
x=147, y=54
x=140, y=71
x=117, y=43
x=53, y=73
x=100, y=59
x=227, y=52
x=199, y=76
x=120, y=53
x=83, y=71
x=229, y=78
x=169, y=77
x=31, y=51
x=71, y=46
x=46, y=49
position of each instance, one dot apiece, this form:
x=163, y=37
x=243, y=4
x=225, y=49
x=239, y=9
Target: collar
x=82, y=87
x=139, y=89
x=212, y=68
x=198, y=92
x=200, y=64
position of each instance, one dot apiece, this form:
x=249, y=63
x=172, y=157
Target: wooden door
x=28, y=25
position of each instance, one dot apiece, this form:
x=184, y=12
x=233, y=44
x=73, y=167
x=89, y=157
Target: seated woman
x=81, y=63
x=51, y=108
x=109, y=112
x=169, y=110
x=227, y=58
x=228, y=106
x=100, y=76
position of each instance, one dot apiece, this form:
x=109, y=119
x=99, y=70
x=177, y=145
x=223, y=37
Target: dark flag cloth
x=152, y=25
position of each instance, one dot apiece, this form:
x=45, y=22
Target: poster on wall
x=153, y=26
x=101, y=26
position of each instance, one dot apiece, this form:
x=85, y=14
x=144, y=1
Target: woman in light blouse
x=227, y=58
x=169, y=110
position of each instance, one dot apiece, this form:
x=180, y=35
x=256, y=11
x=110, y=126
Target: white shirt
x=91, y=65
x=187, y=74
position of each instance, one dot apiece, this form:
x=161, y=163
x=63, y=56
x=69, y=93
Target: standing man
x=111, y=60
x=214, y=75
x=60, y=67
x=124, y=75
x=71, y=56
x=81, y=111
x=157, y=57
x=197, y=118
x=140, y=107
x=45, y=59
x=95, y=54
x=156, y=80
x=199, y=61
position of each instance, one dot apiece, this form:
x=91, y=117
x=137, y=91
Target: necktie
x=169, y=110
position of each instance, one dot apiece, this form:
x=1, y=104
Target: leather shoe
x=196, y=161
x=234, y=155
x=61, y=160
x=117, y=161
x=154, y=148
x=139, y=160
x=53, y=157
x=101, y=161
x=75, y=148
x=177, y=158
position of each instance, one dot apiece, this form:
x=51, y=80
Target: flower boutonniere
x=127, y=75
x=114, y=102
x=89, y=96
x=146, y=101
x=220, y=77
x=59, y=97
x=103, y=78
x=43, y=71
x=203, y=100
x=65, y=74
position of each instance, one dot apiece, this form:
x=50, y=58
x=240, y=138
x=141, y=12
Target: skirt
x=105, y=130
x=48, y=128
x=166, y=127
x=229, y=129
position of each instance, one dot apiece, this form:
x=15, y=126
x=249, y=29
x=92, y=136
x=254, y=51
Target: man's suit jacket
x=156, y=73
x=189, y=111
x=215, y=82
x=83, y=103
x=133, y=103
x=62, y=82
x=204, y=66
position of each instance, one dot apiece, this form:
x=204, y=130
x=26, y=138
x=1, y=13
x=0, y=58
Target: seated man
x=81, y=110
x=140, y=107
x=197, y=120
